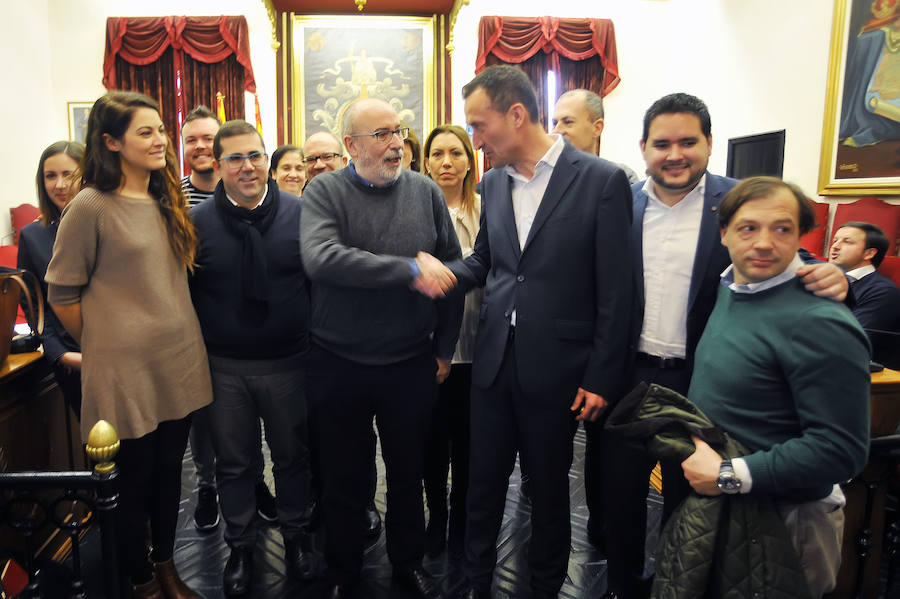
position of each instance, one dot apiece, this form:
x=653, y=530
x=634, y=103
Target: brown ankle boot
x=172, y=585
x=148, y=590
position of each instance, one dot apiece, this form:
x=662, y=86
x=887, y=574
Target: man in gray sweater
x=378, y=346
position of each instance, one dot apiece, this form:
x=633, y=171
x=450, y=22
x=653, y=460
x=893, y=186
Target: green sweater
x=786, y=374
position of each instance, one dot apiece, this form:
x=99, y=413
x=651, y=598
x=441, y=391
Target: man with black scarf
x=252, y=298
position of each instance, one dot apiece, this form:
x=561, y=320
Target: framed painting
x=337, y=60
x=861, y=132
x=77, y=113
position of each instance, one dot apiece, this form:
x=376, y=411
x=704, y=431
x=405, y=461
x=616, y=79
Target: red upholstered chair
x=871, y=210
x=21, y=215
x=815, y=240
x=890, y=267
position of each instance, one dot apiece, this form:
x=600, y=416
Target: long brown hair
x=468, y=187
x=102, y=168
x=74, y=150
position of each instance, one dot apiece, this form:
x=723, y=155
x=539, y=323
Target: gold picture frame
x=861, y=131
x=338, y=59
x=77, y=117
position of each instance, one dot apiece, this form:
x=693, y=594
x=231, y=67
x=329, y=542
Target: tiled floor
x=200, y=557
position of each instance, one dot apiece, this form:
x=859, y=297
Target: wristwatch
x=728, y=482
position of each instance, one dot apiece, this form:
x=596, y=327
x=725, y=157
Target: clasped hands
x=434, y=278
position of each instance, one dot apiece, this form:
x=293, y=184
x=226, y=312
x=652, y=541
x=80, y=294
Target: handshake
x=434, y=278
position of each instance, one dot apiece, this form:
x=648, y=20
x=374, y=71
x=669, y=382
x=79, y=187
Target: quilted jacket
x=722, y=547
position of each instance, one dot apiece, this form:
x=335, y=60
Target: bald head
x=579, y=117
x=376, y=161
x=322, y=152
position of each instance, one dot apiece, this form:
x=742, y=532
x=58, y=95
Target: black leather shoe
x=419, y=582
x=338, y=591
x=238, y=572
x=300, y=559
x=373, y=520
x=471, y=592
x=610, y=595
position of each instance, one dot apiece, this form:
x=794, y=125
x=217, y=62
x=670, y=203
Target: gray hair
x=593, y=103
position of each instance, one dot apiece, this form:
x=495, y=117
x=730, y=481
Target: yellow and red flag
x=220, y=106
x=258, y=117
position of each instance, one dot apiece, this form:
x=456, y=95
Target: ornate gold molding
x=454, y=12
x=273, y=19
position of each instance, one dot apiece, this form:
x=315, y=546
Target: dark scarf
x=249, y=226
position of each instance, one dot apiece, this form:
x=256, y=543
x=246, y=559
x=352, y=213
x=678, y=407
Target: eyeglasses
x=236, y=161
x=385, y=134
x=326, y=157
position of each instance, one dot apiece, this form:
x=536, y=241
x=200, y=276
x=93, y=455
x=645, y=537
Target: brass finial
x=360, y=4
x=103, y=445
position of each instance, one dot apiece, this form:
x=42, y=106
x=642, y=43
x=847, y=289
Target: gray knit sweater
x=356, y=243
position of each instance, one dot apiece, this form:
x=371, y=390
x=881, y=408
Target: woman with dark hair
x=118, y=282
x=412, y=151
x=288, y=170
x=450, y=162
x=54, y=190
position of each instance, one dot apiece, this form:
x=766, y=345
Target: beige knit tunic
x=143, y=358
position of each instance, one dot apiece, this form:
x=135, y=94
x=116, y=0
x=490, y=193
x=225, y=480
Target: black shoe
x=265, y=503
x=373, y=520
x=338, y=591
x=206, y=514
x=300, y=559
x=436, y=535
x=238, y=572
x=610, y=595
x=419, y=582
x=470, y=592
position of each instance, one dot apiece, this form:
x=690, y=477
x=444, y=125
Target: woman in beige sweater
x=118, y=282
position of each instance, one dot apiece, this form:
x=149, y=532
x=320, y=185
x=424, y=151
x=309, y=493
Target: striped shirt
x=193, y=195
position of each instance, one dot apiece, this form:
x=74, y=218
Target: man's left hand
x=443, y=370
x=824, y=280
x=702, y=468
x=593, y=405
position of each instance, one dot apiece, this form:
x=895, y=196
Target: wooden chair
x=70, y=502
x=21, y=215
x=871, y=210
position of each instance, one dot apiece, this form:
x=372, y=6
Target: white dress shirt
x=670, y=235
x=858, y=273
x=527, y=193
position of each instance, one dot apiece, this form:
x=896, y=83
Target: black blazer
x=571, y=285
x=710, y=260
x=35, y=250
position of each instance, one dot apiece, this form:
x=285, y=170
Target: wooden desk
x=869, y=486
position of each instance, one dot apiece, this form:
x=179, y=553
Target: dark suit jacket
x=571, y=285
x=710, y=260
x=35, y=250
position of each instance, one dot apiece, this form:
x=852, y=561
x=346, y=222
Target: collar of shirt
x=698, y=191
x=547, y=161
x=858, y=273
x=265, y=193
x=366, y=183
x=789, y=273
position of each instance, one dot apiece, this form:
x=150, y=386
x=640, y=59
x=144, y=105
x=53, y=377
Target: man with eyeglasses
x=252, y=300
x=378, y=347
x=322, y=153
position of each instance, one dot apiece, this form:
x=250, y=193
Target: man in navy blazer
x=553, y=254
x=859, y=249
x=677, y=257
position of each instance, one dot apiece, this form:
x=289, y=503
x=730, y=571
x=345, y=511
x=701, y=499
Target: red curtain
x=515, y=40
x=208, y=55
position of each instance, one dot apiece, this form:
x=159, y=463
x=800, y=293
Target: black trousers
x=346, y=396
x=626, y=473
x=448, y=446
x=150, y=490
x=504, y=419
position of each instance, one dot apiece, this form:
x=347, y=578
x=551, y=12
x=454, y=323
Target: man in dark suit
x=678, y=258
x=859, y=248
x=553, y=254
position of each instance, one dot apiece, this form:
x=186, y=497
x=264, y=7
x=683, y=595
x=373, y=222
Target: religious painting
x=861, y=133
x=338, y=60
x=77, y=113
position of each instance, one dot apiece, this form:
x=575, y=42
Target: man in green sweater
x=785, y=373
